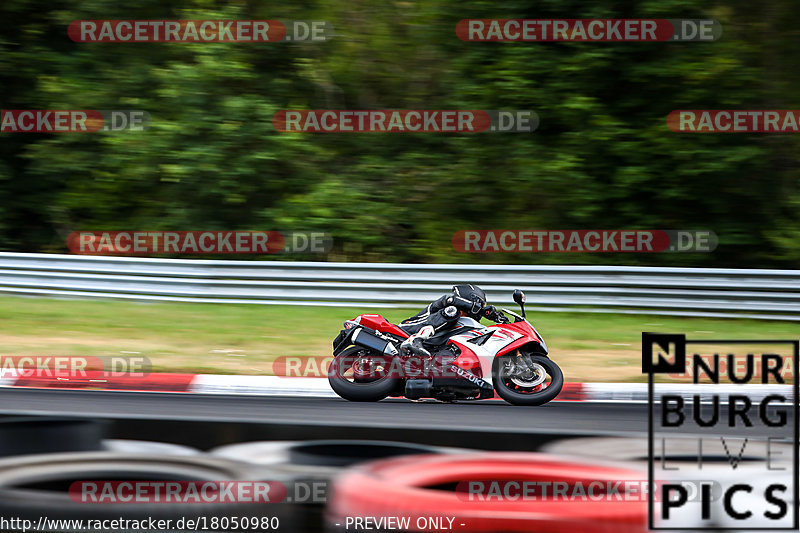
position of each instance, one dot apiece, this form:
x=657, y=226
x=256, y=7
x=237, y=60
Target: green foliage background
x=601, y=158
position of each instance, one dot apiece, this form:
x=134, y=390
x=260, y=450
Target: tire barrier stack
x=322, y=456
x=330, y=484
x=28, y=435
x=43, y=459
x=36, y=486
x=312, y=465
x=417, y=493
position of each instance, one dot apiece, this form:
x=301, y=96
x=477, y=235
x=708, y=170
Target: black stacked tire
x=36, y=486
x=422, y=487
x=32, y=435
x=313, y=464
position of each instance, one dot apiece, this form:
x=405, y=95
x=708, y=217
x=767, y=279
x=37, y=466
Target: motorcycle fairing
x=478, y=356
x=378, y=323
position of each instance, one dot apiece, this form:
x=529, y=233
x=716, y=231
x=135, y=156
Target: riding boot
x=413, y=344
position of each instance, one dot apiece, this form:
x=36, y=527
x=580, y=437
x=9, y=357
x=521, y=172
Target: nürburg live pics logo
x=722, y=433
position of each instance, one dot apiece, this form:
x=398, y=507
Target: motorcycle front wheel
x=531, y=380
x=359, y=375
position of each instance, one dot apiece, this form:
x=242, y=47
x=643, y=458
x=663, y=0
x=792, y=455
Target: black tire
x=321, y=456
x=34, y=486
x=318, y=462
x=34, y=435
x=369, y=391
x=528, y=398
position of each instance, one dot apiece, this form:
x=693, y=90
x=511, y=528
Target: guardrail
x=768, y=294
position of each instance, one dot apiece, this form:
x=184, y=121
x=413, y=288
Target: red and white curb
x=319, y=388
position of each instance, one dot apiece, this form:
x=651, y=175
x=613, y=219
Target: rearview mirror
x=519, y=297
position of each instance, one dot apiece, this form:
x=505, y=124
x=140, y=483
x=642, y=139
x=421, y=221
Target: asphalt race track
x=559, y=418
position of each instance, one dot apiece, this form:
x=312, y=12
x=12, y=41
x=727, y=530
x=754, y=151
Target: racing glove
x=461, y=304
x=444, y=319
x=493, y=314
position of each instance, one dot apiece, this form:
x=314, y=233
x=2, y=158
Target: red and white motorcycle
x=467, y=362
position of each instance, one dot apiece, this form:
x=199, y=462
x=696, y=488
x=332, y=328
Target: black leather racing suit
x=442, y=314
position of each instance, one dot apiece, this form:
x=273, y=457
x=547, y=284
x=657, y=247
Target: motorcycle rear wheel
x=361, y=389
x=518, y=394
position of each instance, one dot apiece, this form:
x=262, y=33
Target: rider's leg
x=413, y=344
x=439, y=321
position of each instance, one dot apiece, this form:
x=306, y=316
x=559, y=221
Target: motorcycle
x=467, y=362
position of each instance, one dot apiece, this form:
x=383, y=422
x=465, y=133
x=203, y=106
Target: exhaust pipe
x=364, y=338
x=417, y=389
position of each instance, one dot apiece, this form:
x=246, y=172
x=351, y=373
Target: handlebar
x=492, y=313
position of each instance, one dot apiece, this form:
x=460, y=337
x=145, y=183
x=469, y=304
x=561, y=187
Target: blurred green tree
x=601, y=158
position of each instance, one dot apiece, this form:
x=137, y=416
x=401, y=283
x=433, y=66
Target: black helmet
x=474, y=294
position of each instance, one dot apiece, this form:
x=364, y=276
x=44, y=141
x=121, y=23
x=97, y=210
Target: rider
x=465, y=300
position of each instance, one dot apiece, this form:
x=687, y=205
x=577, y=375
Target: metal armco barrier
x=768, y=294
